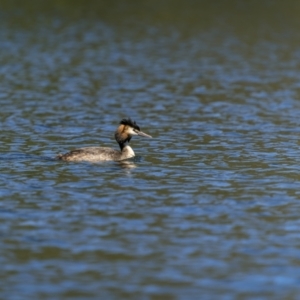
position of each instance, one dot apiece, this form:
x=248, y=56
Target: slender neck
x=122, y=145
x=121, y=138
x=127, y=152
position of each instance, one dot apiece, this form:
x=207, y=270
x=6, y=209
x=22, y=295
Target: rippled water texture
x=209, y=208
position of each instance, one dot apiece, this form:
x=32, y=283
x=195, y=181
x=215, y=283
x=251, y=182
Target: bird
x=125, y=131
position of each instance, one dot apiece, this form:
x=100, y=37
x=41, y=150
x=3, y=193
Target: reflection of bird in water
x=123, y=134
x=127, y=164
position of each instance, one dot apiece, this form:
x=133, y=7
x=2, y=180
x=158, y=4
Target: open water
x=209, y=208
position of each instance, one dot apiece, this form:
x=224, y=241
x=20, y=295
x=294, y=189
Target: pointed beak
x=143, y=134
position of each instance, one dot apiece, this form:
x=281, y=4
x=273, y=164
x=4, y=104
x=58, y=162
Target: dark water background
x=210, y=207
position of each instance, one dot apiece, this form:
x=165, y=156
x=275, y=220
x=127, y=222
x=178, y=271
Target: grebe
x=123, y=134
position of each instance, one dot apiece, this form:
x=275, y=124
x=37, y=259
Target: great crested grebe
x=123, y=134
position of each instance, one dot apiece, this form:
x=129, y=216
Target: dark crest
x=131, y=123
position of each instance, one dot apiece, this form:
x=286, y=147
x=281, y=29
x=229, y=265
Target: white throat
x=127, y=152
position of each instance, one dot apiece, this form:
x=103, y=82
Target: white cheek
x=131, y=131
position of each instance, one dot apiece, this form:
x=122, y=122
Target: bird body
x=123, y=134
